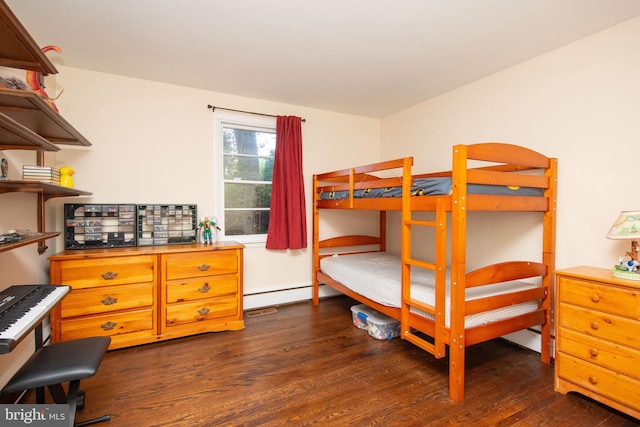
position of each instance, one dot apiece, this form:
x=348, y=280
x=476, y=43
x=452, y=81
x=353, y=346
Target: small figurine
x=66, y=179
x=629, y=264
x=207, y=228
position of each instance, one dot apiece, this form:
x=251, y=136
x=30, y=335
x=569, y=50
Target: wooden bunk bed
x=445, y=319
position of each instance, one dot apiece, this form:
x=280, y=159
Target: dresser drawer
x=600, y=352
x=87, y=273
x=214, y=308
x=601, y=297
x=200, y=288
x=200, y=264
x=611, y=384
x=600, y=325
x=105, y=299
x=108, y=324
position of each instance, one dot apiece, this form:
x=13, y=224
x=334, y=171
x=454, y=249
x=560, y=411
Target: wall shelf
x=18, y=49
x=28, y=122
x=14, y=136
x=36, y=238
x=48, y=190
x=29, y=110
x=44, y=192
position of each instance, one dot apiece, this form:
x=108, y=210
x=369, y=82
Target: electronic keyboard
x=22, y=308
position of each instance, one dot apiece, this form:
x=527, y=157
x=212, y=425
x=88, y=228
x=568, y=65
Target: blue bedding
x=433, y=187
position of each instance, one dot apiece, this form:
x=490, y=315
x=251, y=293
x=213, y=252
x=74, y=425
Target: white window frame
x=220, y=119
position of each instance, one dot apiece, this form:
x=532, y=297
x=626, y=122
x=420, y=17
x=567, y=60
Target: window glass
x=245, y=152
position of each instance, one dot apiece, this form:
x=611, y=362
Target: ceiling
x=370, y=58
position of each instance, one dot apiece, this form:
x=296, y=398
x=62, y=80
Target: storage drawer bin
x=359, y=314
x=166, y=224
x=378, y=325
x=90, y=226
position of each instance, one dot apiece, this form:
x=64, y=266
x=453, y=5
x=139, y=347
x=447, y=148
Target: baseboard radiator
x=289, y=295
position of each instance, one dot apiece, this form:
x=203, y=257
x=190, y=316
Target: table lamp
x=627, y=227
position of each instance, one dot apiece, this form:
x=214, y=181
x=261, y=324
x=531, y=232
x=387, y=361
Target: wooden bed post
x=548, y=257
x=316, y=250
x=458, y=270
x=405, y=249
x=383, y=230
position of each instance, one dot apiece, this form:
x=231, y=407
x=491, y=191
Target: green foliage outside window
x=248, y=172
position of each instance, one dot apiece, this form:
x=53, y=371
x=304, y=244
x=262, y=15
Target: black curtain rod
x=213, y=108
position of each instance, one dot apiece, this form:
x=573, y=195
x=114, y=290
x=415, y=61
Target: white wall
x=152, y=143
x=581, y=104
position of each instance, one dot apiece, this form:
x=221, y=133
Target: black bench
x=55, y=364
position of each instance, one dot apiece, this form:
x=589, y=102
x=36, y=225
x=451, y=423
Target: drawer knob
x=593, y=380
x=593, y=352
x=595, y=326
x=108, y=326
x=203, y=311
x=109, y=301
x=109, y=275
x=595, y=297
x=204, y=288
x=204, y=267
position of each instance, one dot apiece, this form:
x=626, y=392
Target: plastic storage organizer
x=378, y=325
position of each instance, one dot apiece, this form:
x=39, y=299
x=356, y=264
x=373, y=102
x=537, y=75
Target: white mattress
x=377, y=276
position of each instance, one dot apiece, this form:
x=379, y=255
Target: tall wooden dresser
x=598, y=337
x=138, y=295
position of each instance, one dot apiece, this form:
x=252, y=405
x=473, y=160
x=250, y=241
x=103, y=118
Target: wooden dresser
x=598, y=337
x=139, y=295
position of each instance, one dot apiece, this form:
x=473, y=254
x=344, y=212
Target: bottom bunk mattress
x=377, y=276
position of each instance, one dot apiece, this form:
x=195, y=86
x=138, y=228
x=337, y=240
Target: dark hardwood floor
x=308, y=365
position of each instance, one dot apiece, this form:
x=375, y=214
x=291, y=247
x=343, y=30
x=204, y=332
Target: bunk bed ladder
x=437, y=348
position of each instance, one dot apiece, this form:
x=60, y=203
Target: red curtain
x=287, y=220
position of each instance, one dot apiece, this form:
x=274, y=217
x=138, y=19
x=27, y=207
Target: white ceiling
x=369, y=58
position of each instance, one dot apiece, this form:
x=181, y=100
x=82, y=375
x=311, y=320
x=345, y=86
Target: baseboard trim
x=530, y=339
x=284, y=296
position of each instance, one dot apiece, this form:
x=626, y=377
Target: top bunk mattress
x=377, y=276
x=433, y=187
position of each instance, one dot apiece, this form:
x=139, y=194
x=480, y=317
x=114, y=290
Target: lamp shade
x=627, y=226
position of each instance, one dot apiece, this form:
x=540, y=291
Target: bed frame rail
x=490, y=303
x=363, y=177
x=505, y=271
x=346, y=241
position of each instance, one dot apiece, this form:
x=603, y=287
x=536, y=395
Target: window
x=244, y=148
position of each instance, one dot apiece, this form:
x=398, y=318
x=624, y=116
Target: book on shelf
x=41, y=173
x=39, y=169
